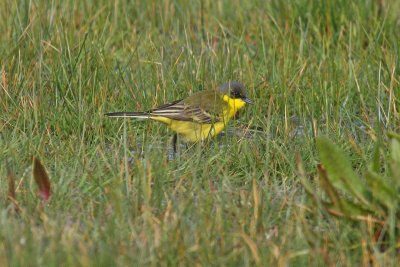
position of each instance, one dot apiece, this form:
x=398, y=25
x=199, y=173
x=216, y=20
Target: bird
x=200, y=116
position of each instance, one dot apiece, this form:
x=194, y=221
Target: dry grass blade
x=41, y=179
x=252, y=246
x=11, y=196
x=11, y=183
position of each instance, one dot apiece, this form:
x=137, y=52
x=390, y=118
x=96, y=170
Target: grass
x=312, y=68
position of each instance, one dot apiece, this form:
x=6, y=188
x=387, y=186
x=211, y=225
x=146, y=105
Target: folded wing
x=206, y=107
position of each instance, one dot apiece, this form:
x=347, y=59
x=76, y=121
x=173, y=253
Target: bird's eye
x=236, y=94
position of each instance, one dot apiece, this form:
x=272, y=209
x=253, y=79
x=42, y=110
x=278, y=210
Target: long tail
x=139, y=115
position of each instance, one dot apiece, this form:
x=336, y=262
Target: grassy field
x=312, y=68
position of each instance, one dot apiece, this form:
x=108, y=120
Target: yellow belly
x=195, y=132
x=191, y=131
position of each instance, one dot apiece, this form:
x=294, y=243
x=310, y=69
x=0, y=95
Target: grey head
x=235, y=90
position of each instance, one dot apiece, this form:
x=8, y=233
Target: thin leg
x=174, y=141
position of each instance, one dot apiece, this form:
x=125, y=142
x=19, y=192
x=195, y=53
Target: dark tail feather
x=140, y=115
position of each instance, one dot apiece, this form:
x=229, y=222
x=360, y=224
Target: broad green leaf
x=395, y=150
x=382, y=191
x=338, y=169
x=395, y=161
x=329, y=189
x=394, y=136
x=339, y=204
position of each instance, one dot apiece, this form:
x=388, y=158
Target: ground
x=312, y=68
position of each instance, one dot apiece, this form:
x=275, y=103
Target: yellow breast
x=234, y=106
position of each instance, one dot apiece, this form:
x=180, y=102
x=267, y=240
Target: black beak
x=247, y=100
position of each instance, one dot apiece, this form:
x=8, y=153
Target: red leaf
x=41, y=179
